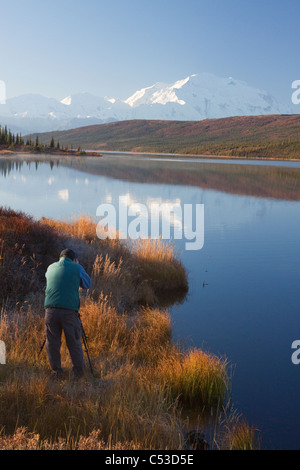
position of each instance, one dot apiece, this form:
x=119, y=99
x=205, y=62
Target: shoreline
x=48, y=152
x=196, y=157
x=159, y=156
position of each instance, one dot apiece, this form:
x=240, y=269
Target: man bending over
x=62, y=305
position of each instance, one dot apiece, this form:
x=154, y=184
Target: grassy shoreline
x=205, y=156
x=144, y=381
x=5, y=150
x=161, y=155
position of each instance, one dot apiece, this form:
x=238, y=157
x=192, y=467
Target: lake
x=244, y=296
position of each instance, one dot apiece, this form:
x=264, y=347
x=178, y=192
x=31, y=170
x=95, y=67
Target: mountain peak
x=193, y=98
x=67, y=101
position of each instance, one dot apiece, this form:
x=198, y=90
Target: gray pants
x=59, y=320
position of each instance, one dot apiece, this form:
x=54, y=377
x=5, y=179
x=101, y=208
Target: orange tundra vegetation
x=268, y=136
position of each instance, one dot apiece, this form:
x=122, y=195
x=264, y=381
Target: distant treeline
x=8, y=138
x=285, y=148
x=11, y=141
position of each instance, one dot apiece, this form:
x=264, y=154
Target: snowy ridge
x=196, y=97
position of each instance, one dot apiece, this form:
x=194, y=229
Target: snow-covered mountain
x=196, y=97
x=36, y=113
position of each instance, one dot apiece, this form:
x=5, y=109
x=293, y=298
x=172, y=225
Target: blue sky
x=114, y=47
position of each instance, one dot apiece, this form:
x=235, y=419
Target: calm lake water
x=244, y=295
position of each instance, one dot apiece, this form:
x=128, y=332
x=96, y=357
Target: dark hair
x=67, y=253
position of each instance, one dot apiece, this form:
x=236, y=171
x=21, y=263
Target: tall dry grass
x=242, y=436
x=130, y=400
x=121, y=407
x=233, y=432
x=119, y=401
x=27, y=247
x=140, y=336
x=160, y=268
x=22, y=439
x=198, y=379
x=142, y=379
x=143, y=271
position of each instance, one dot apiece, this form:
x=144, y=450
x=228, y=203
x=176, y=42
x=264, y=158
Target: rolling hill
x=270, y=136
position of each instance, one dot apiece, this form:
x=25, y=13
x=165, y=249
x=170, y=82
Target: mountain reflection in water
x=279, y=182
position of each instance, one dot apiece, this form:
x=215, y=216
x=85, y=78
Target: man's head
x=68, y=253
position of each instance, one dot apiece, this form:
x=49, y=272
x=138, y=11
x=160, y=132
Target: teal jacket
x=63, y=281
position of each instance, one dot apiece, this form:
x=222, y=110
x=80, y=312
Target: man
x=62, y=305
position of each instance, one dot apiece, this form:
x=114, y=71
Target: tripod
x=84, y=340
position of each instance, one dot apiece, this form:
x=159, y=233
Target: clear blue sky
x=114, y=47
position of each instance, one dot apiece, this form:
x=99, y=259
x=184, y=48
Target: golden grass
x=237, y=434
x=198, y=379
x=139, y=337
x=129, y=401
x=142, y=379
x=81, y=227
x=243, y=437
x=122, y=407
x=159, y=263
x=153, y=250
x=142, y=271
x=22, y=439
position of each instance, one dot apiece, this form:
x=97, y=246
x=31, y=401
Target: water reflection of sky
x=244, y=294
x=62, y=192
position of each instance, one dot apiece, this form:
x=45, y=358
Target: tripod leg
x=86, y=350
x=88, y=356
x=41, y=349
